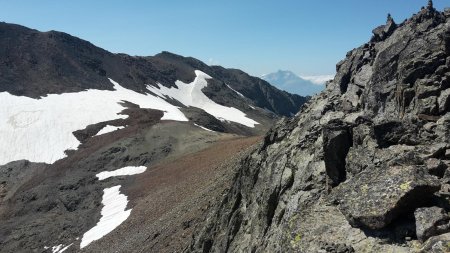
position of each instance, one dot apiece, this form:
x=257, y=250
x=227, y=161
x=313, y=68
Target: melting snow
x=125, y=171
x=60, y=248
x=204, y=128
x=39, y=130
x=113, y=214
x=237, y=92
x=108, y=129
x=192, y=95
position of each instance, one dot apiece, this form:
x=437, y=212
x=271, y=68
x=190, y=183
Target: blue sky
x=307, y=37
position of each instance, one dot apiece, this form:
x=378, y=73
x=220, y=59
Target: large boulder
x=374, y=198
x=431, y=221
x=437, y=244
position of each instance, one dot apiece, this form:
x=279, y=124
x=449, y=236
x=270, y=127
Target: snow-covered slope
x=113, y=214
x=40, y=130
x=191, y=95
x=125, y=171
x=108, y=129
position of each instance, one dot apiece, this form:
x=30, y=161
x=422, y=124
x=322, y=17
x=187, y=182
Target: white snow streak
x=113, y=214
x=39, y=130
x=192, y=95
x=204, y=128
x=318, y=80
x=108, y=129
x=237, y=92
x=125, y=171
x=60, y=248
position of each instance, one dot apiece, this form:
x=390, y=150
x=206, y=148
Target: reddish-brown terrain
x=171, y=198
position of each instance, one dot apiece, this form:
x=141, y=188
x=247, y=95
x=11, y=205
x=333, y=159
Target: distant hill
x=290, y=82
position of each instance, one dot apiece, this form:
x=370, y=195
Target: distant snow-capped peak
x=302, y=85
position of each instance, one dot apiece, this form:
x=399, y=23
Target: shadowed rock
x=374, y=198
x=431, y=221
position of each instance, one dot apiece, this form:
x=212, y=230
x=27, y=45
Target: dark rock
x=389, y=133
x=382, y=32
x=444, y=101
x=431, y=221
x=436, y=167
x=337, y=140
x=386, y=116
x=336, y=247
x=374, y=198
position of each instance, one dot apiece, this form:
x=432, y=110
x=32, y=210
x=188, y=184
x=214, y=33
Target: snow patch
x=113, y=214
x=125, y=171
x=40, y=130
x=108, y=129
x=60, y=248
x=191, y=95
x=318, y=80
x=237, y=92
x=204, y=128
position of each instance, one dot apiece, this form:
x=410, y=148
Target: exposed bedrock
x=362, y=167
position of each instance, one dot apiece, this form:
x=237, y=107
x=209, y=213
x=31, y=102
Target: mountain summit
x=363, y=167
x=290, y=82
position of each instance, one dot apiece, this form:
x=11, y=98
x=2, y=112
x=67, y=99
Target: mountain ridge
x=39, y=63
x=363, y=167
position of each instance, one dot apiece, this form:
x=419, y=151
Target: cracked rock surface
x=359, y=168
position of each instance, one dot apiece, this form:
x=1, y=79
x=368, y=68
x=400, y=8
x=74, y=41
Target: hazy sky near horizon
x=306, y=37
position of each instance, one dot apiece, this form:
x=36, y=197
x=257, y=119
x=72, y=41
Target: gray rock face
x=431, y=221
x=357, y=160
x=376, y=197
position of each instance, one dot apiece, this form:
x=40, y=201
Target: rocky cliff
x=363, y=167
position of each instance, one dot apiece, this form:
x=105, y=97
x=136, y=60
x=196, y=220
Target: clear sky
x=257, y=36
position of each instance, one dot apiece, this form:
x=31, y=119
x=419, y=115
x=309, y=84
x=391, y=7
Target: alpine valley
x=103, y=152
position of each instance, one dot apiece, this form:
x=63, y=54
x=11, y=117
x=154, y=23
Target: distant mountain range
x=292, y=83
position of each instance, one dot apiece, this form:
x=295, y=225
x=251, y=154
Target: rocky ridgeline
x=363, y=167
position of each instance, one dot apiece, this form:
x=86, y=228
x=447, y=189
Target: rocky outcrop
x=357, y=165
x=431, y=221
x=374, y=198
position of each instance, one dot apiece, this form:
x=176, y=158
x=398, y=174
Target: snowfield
x=40, y=130
x=125, y=171
x=191, y=95
x=204, y=128
x=237, y=92
x=108, y=129
x=113, y=214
